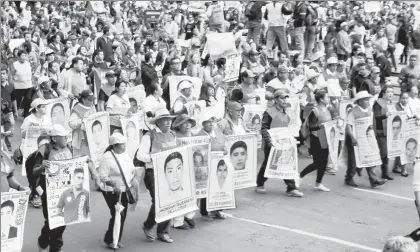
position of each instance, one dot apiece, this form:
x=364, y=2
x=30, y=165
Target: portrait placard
x=282, y=161
x=174, y=183
x=131, y=130
x=68, y=196
x=195, y=110
x=252, y=119
x=221, y=192
x=329, y=135
x=176, y=82
x=14, y=206
x=410, y=141
x=97, y=133
x=395, y=126
x=367, y=150
x=243, y=157
x=233, y=65
x=293, y=111
x=30, y=143
x=58, y=111
x=200, y=146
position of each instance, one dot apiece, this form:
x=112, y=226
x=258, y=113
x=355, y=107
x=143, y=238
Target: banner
x=220, y=44
x=395, y=127
x=13, y=213
x=282, y=161
x=345, y=107
x=293, y=111
x=367, y=150
x=233, y=65
x=200, y=146
x=97, y=7
x=30, y=143
x=195, y=111
x=410, y=141
x=243, y=157
x=13, y=43
x=68, y=197
x=58, y=111
x=174, y=183
x=136, y=96
x=372, y=6
x=221, y=192
x=330, y=136
x=131, y=130
x=97, y=134
x=252, y=119
x=260, y=92
x=174, y=85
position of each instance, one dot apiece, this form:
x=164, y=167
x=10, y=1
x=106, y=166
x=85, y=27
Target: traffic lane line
x=385, y=194
x=302, y=232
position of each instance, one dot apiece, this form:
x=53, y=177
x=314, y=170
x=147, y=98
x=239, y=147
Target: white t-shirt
x=117, y=105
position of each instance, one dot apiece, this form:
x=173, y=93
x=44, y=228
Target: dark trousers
x=32, y=180
x=391, y=53
x=149, y=181
x=351, y=164
x=320, y=157
x=261, y=179
x=383, y=150
x=203, y=207
x=404, y=55
x=50, y=237
x=111, y=200
x=23, y=99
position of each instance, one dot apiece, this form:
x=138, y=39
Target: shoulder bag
x=130, y=191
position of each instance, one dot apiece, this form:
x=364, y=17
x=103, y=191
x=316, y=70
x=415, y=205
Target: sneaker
x=377, y=183
x=165, y=238
x=321, y=188
x=184, y=226
x=190, y=222
x=36, y=201
x=218, y=216
x=351, y=183
x=261, y=189
x=207, y=218
x=295, y=193
x=330, y=172
x=149, y=235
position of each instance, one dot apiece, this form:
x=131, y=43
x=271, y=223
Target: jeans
x=24, y=99
x=300, y=39
x=320, y=157
x=291, y=185
x=383, y=150
x=309, y=36
x=50, y=237
x=254, y=33
x=391, y=53
x=8, y=124
x=277, y=32
x=149, y=182
x=111, y=200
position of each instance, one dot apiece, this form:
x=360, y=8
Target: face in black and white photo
x=239, y=155
x=174, y=166
x=396, y=127
x=221, y=172
x=411, y=149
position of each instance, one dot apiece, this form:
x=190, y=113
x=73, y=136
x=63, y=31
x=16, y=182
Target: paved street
x=344, y=219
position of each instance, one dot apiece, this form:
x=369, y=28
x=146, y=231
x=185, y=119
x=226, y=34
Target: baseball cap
x=37, y=102
x=59, y=130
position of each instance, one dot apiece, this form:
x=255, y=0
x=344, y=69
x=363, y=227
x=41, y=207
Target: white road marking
x=301, y=232
x=386, y=194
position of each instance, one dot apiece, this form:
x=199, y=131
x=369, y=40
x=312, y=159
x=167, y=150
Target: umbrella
x=117, y=223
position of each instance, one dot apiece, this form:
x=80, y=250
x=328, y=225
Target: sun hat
x=181, y=119
x=59, y=130
x=361, y=95
x=332, y=60
x=117, y=138
x=344, y=24
x=43, y=79
x=49, y=51
x=248, y=73
x=160, y=112
x=38, y=101
x=318, y=55
x=207, y=116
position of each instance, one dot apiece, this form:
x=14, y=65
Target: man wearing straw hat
x=157, y=140
x=360, y=110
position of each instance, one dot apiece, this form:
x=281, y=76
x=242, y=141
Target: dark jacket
x=368, y=85
x=257, y=6
x=106, y=47
x=148, y=75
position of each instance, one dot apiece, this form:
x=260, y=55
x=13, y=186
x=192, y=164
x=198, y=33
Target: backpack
x=138, y=163
x=251, y=10
x=304, y=129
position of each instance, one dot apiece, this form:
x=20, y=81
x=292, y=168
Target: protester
x=118, y=106
x=275, y=117
x=112, y=165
